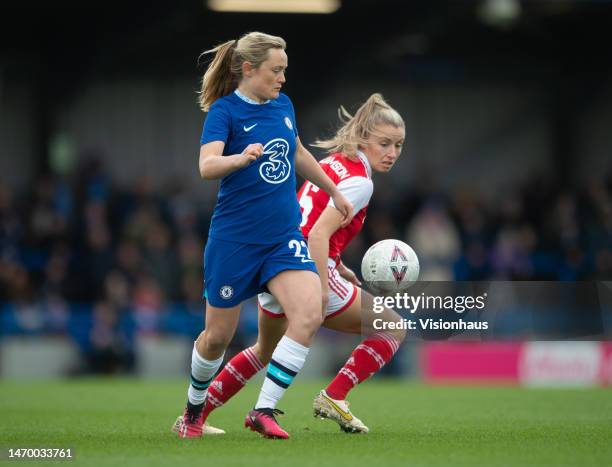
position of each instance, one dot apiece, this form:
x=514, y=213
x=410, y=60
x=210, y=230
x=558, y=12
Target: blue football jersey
x=257, y=203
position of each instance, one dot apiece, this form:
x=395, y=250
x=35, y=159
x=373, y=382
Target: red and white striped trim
x=334, y=289
x=373, y=353
x=252, y=358
x=350, y=374
x=337, y=286
x=212, y=400
x=236, y=374
x=346, y=305
x=389, y=339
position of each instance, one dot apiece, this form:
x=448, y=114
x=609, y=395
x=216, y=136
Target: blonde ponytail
x=218, y=81
x=355, y=130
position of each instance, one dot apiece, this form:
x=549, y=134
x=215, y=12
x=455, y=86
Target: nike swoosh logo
x=249, y=128
x=345, y=415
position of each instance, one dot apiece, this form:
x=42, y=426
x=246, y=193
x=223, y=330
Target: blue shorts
x=234, y=272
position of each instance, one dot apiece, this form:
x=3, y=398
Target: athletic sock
x=287, y=360
x=202, y=372
x=232, y=379
x=367, y=358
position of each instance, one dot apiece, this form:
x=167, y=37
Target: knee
x=214, y=342
x=309, y=319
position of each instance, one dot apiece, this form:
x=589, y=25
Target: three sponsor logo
x=277, y=168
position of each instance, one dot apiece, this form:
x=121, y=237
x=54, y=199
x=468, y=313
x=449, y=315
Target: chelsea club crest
x=226, y=292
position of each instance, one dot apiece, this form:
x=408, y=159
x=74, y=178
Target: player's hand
x=344, y=206
x=251, y=153
x=348, y=274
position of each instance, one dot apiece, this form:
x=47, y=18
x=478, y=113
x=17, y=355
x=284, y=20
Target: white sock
x=202, y=373
x=287, y=360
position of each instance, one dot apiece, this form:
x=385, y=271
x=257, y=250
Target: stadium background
x=506, y=172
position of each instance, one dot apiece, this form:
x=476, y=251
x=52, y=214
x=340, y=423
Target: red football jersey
x=354, y=180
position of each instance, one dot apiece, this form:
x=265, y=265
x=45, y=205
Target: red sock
x=367, y=358
x=235, y=374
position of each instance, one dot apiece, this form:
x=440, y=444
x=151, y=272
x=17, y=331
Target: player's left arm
x=328, y=222
x=308, y=167
x=348, y=274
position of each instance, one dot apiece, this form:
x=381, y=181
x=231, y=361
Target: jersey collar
x=248, y=99
x=364, y=160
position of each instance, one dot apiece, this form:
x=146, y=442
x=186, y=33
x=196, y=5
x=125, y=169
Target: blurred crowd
x=85, y=239
x=538, y=231
x=135, y=253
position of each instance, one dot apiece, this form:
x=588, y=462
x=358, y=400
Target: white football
x=390, y=266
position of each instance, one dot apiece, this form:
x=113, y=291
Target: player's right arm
x=213, y=165
x=215, y=134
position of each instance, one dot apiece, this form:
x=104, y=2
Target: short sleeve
x=292, y=116
x=358, y=190
x=217, y=125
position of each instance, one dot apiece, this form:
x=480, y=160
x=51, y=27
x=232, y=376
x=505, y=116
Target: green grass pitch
x=125, y=422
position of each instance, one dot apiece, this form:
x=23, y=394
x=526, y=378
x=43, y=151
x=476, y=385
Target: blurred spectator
x=129, y=260
x=434, y=237
x=99, y=259
x=57, y=280
x=147, y=305
x=512, y=253
x=160, y=261
x=473, y=264
x=111, y=348
x=48, y=213
x=117, y=290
